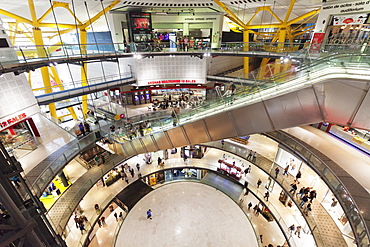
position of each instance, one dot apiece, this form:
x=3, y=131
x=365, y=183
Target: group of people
x=84, y=128
x=132, y=131
x=125, y=168
x=80, y=222
x=252, y=156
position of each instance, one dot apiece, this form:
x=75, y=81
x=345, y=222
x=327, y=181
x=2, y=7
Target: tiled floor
x=186, y=214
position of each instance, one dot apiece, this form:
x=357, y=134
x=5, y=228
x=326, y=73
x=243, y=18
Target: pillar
x=37, y=34
x=83, y=40
x=64, y=179
x=246, y=48
x=185, y=29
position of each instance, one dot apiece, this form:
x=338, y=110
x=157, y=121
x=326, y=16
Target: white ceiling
x=243, y=8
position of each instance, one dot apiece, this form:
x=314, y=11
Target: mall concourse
x=207, y=123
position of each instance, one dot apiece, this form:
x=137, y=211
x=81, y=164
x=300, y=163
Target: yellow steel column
x=59, y=82
x=246, y=48
x=280, y=47
x=83, y=41
x=37, y=34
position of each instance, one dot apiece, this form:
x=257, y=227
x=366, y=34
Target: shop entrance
x=19, y=139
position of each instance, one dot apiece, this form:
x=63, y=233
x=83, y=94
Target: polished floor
x=261, y=225
x=186, y=214
x=349, y=158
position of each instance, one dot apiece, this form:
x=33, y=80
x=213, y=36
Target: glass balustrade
x=338, y=189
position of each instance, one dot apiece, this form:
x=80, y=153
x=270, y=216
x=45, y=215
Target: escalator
x=333, y=89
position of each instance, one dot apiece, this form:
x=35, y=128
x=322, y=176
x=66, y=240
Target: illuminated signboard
x=141, y=21
x=12, y=120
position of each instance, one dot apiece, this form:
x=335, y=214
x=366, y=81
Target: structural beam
x=230, y=13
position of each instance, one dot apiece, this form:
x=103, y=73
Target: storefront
x=55, y=189
x=356, y=137
x=343, y=26
x=96, y=155
x=155, y=94
x=286, y=160
x=20, y=138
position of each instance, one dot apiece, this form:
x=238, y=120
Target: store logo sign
x=13, y=120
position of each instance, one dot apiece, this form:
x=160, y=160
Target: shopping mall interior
x=182, y=123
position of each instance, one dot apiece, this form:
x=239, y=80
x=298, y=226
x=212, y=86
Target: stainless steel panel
x=149, y=143
x=138, y=146
x=251, y=119
x=220, y=126
x=293, y=109
x=196, y=132
x=177, y=137
x=128, y=148
x=362, y=117
x=161, y=140
x=342, y=99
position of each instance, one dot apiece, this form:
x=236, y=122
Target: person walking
x=291, y=229
x=250, y=154
x=115, y=216
x=120, y=215
x=82, y=129
x=123, y=174
x=312, y=195
x=259, y=182
x=76, y=220
x=293, y=187
x=87, y=127
x=82, y=228
x=160, y=160
x=301, y=192
x=102, y=159
x=132, y=172
x=298, y=176
x=103, y=221
x=298, y=231
x=222, y=143
x=255, y=154
x=277, y=170
x=126, y=179
x=247, y=170
x=138, y=167
x=255, y=209
x=149, y=214
x=99, y=223
x=267, y=195
x=249, y=206
x=303, y=201
x=307, y=209
x=286, y=170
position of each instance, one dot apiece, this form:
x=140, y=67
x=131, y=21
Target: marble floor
x=186, y=214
